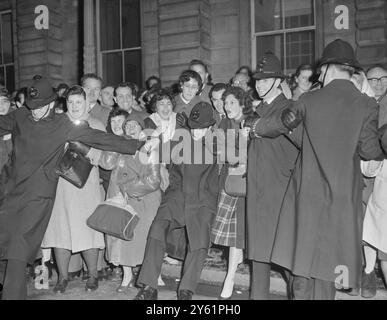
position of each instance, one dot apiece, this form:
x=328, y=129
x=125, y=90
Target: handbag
x=73, y=166
x=235, y=184
x=115, y=218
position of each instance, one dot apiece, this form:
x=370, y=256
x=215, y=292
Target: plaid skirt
x=225, y=230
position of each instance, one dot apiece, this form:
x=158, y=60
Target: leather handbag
x=115, y=219
x=235, y=184
x=73, y=166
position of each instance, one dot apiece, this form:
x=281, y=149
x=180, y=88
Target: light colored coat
x=375, y=221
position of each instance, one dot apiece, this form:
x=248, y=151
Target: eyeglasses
x=382, y=80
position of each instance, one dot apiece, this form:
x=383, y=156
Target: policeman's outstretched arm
x=104, y=141
x=7, y=123
x=282, y=122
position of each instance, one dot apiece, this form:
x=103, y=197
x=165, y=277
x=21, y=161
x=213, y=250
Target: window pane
x=268, y=15
x=2, y=78
x=299, y=49
x=110, y=24
x=10, y=74
x=274, y=43
x=131, y=32
x=133, y=67
x=6, y=40
x=298, y=13
x=112, y=68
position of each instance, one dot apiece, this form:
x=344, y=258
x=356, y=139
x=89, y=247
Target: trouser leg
x=3, y=266
x=312, y=289
x=260, y=285
x=193, y=265
x=15, y=283
x=152, y=263
x=324, y=290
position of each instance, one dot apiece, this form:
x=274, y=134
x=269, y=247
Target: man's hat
x=268, y=67
x=339, y=52
x=40, y=94
x=201, y=116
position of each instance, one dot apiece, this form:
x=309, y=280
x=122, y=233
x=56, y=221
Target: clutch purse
x=115, y=219
x=73, y=166
x=235, y=184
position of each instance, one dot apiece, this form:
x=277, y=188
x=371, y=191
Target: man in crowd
x=188, y=208
x=106, y=101
x=377, y=78
x=216, y=93
x=201, y=68
x=319, y=232
x=125, y=97
x=39, y=135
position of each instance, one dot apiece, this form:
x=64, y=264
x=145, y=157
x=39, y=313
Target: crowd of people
x=305, y=170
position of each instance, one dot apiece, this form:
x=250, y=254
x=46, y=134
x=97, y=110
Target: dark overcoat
x=320, y=227
x=190, y=200
x=30, y=192
x=270, y=163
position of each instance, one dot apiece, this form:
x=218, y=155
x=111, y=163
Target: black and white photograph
x=221, y=151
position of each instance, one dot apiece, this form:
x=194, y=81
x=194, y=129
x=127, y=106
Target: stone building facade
x=129, y=40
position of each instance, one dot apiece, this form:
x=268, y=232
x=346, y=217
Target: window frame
x=5, y=65
x=100, y=52
x=283, y=32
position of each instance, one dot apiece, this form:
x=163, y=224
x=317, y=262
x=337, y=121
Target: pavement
x=209, y=289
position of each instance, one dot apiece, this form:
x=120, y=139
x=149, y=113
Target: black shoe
x=146, y=293
x=73, y=275
x=368, y=285
x=85, y=275
x=61, y=286
x=184, y=295
x=104, y=274
x=91, y=284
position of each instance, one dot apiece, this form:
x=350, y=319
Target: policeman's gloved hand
x=181, y=120
x=290, y=119
x=251, y=120
x=79, y=147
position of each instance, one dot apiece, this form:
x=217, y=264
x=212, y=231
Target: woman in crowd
x=67, y=231
x=135, y=183
x=190, y=83
x=229, y=225
x=302, y=80
x=163, y=118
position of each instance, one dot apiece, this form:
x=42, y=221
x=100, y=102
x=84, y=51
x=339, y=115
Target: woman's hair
x=237, y=92
x=76, y=90
x=187, y=75
x=148, y=81
x=115, y=112
x=160, y=95
x=249, y=72
x=303, y=67
x=61, y=104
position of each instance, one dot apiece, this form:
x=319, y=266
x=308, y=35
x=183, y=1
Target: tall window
x=7, y=68
x=286, y=28
x=120, y=41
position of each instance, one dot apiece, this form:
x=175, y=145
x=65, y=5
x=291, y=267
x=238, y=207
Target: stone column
x=89, y=65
